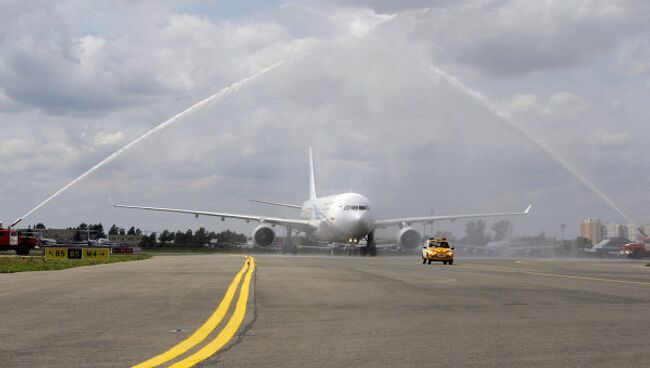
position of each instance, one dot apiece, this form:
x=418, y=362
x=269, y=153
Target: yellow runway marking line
x=228, y=332
x=558, y=275
x=208, y=326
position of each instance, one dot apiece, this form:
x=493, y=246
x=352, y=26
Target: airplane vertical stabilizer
x=312, y=183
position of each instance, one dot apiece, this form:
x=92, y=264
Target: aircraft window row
x=356, y=208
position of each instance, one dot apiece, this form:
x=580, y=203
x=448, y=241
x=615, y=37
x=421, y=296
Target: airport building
x=130, y=240
x=60, y=235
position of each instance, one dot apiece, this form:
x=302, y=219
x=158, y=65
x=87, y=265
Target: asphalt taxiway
x=336, y=311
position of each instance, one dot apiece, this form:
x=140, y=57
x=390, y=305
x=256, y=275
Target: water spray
x=213, y=98
x=210, y=99
x=506, y=119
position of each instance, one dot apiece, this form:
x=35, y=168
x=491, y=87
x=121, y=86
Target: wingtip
x=528, y=208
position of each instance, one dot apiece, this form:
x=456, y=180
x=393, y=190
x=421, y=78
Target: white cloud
x=608, y=139
x=365, y=100
x=523, y=103
x=567, y=104
x=359, y=23
x=516, y=37
x=562, y=107
x=634, y=55
x=108, y=139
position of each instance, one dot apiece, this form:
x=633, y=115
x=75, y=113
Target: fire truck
x=20, y=242
x=638, y=249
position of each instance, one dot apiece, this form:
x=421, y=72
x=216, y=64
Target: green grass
x=9, y=264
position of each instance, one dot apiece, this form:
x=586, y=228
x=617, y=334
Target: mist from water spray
x=210, y=99
x=452, y=80
x=506, y=119
x=356, y=31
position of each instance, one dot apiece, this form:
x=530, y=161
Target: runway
x=336, y=311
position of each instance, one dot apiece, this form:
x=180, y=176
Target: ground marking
x=229, y=331
x=208, y=326
x=557, y=275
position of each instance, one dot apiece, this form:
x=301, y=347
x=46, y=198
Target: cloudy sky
x=420, y=105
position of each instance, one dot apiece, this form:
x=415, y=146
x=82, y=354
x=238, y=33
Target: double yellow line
x=222, y=338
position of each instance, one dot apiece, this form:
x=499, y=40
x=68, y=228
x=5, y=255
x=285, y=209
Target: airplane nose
x=362, y=224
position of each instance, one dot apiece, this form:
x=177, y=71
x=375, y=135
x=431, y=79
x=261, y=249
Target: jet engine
x=408, y=237
x=263, y=235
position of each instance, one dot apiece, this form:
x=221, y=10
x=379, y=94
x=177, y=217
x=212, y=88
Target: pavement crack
x=239, y=337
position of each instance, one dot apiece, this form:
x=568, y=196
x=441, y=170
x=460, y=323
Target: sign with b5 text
x=52, y=253
x=56, y=253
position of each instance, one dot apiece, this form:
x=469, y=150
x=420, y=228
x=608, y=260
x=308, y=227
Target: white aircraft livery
x=341, y=218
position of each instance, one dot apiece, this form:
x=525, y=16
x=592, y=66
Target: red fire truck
x=640, y=248
x=21, y=242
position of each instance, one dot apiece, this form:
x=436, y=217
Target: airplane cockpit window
x=363, y=208
x=346, y=208
x=354, y=208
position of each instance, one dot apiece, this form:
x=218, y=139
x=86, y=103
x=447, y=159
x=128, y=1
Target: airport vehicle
x=437, y=250
x=21, y=242
x=608, y=247
x=341, y=218
x=638, y=249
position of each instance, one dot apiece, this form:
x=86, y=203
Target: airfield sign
x=52, y=253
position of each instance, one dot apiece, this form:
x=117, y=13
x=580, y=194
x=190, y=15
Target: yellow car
x=437, y=250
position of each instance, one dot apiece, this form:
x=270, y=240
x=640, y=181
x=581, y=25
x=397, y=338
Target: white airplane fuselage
x=338, y=218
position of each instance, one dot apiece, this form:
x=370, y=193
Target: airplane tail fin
x=312, y=183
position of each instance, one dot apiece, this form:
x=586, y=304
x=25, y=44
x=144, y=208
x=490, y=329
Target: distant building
x=595, y=231
x=591, y=229
x=630, y=231
x=130, y=240
x=612, y=231
x=60, y=235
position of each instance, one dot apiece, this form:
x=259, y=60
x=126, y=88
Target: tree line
x=189, y=237
x=192, y=238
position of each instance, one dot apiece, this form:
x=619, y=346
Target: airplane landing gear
x=371, y=247
x=372, y=250
x=363, y=251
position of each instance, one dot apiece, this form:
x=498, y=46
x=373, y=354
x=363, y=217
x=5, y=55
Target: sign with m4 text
x=77, y=253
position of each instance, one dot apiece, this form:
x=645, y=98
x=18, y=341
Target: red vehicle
x=636, y=250
x=640, y=248
x=21, y=242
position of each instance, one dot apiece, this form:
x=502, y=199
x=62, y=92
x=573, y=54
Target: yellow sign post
x=77, y=253
x=56, y=253
x=96, y=253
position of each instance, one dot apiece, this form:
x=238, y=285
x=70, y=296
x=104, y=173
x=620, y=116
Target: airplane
x=341, y=218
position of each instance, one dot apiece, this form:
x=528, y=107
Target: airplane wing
x=380, y=224
x=298, y=224
x=276, y=203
